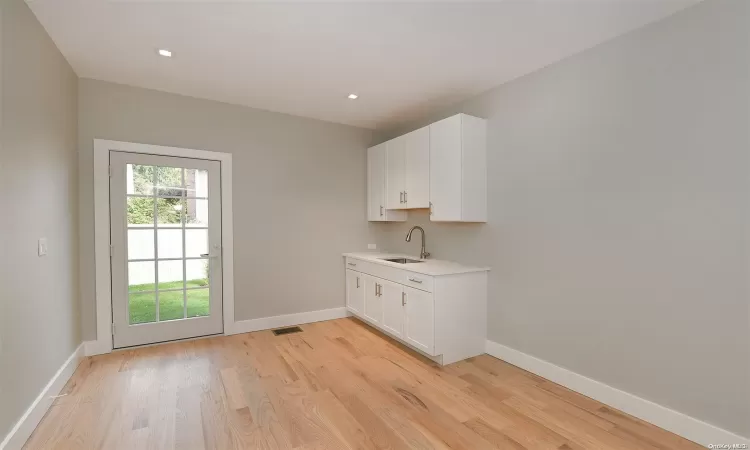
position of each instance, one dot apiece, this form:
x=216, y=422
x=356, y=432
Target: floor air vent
x=281, y=331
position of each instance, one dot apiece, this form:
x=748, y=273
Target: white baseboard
x=668, y=419
x=93, y=348
x=21, y=432
x=266, y=323
x=100, y=347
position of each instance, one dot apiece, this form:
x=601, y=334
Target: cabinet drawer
x=359, y=265
x=395, y=274
x=417, y=281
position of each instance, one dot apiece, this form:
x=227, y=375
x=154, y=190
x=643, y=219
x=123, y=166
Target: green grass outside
x=143, y=302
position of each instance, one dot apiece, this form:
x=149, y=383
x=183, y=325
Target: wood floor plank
x=493, y=435
x=337, y=385
x=574, y=429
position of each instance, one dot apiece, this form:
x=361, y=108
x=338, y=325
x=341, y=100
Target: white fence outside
x=141, y=246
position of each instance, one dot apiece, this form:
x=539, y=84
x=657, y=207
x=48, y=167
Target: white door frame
x=103, y=343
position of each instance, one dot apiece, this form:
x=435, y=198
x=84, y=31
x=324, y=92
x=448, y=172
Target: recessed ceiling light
x=165, y=52
x=353, y=96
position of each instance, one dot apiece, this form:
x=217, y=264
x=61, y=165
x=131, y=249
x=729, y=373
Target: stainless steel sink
x=402, y=260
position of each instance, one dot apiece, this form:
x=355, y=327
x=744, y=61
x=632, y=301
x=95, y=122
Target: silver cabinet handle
x=204, y=255
x=381, y=210
x=415, y=280
x=357, y=282
x=403, y=299
x=401, y=197
x=406, y=199
x=430, y=208
x=352, y=264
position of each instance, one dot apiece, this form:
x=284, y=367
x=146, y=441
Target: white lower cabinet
x=419, y=319
x=392, y=298
x=373, y=303
x=444, y=317
x=355, y=292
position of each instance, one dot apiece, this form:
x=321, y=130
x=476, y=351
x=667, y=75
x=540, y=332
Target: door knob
x=216, y=247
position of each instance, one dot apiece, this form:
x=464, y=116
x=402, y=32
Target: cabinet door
x=376, y=208
x=445, y=169
x=376, y=183
x=419, y=326
x=391, y=295
x=373, y=302
x=355, y=292
x=417, y=177
x=395, y=172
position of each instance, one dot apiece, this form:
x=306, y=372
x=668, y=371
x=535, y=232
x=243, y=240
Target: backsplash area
x=460, y=242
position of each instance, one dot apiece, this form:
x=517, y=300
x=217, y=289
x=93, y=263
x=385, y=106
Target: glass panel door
x=166, y=277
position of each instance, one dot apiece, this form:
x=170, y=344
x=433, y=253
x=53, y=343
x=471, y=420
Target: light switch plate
x=371, y=246
x=42, y=247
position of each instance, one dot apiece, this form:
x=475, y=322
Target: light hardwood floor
x=337, y=385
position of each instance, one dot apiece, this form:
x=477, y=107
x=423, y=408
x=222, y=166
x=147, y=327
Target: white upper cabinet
x=377, y=210
x=442, y=167
x=408, y=170
x=395, y=173
x=417, y=179
x=458, y=169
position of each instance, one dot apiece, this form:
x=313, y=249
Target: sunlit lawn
x=143, y=302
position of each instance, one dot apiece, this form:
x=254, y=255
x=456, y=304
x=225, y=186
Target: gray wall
x=618, y=201
x=299, y=194
x=39, y=323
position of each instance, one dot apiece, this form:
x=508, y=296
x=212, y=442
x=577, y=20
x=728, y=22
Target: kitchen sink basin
x=402, y=260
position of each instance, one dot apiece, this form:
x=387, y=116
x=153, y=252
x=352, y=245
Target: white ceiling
x=304, y=58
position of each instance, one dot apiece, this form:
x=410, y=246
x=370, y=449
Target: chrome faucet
x=423, y=254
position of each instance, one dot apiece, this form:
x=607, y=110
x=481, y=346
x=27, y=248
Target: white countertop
x=434, y=267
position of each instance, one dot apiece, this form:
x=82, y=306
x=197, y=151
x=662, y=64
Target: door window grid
x=166, y=196
x=156, y=194
x=189, y=258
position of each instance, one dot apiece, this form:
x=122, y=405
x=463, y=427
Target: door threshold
x=153, y=344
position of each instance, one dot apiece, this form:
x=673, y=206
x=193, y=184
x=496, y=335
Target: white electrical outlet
x=42, y=247
x=371, y=246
